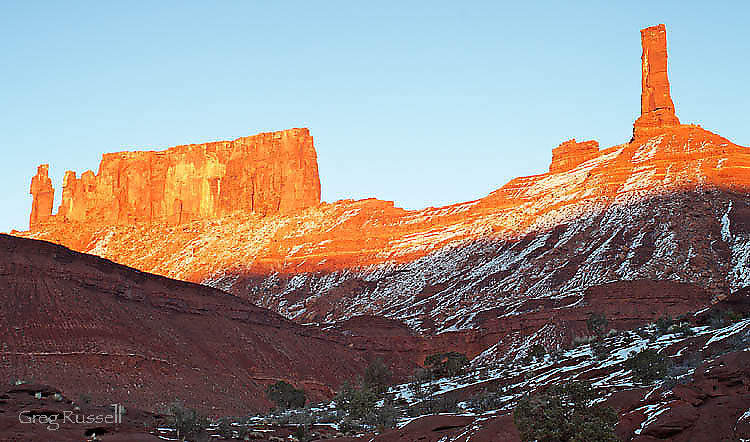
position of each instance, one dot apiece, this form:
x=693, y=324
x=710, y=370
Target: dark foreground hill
x=89, y=326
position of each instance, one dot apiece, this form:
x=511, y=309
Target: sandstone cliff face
x=265, y=174
x=570, y=154
x=668, y=205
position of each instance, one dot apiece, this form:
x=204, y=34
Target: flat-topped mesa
x=657, y=108
x=570, y=154
x=268, y=173
x=43, y=196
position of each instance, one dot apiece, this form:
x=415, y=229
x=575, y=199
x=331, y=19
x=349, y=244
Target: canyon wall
x=266, y=174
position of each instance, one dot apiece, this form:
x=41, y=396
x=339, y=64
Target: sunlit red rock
x=665, y=206
x=657, y=108
x=570, y=154
x=265, y=174
x=43, y=196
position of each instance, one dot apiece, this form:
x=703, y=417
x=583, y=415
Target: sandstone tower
x=43, y=196
x=657, y=108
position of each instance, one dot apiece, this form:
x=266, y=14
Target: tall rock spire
x=657, y=108
x=43, y=196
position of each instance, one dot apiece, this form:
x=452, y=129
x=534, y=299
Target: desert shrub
x=285, y=396
x=722, y=318
x=328, y=417
x=419, y=383
x=224, y=428
x=244, y=433
x=663, y=324
x=187, y=421
x=565, y=413
x=485, y=401
x=601, y=350
x=377, y=377
x=356, y=402
x=683, y=329
x=301, y=417
x=597, y=324
x=434, y=405
x=382, y=417
x=647, y=365
x=302, y=433
x=448, y=364
x=350, y=426
x=537, y=351
x=643, y=333
x=739, y=341
x=678, y=374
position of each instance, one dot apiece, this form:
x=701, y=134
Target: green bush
x=663, y=324
x=565, y=413
x=377, y=377
x=224, y=428
x=350, y=426
x=537, y=351
x=382, y=418
x=486, y=401
x=448, y=364
x=285, y=396
x=186, y=421
x=647, y=365
x=601, y=350
x=419, y=383
x=597, y=324
x=722, y=318
x=302, y=433
x=356, y=402
x=434, y=405
x=683, y=329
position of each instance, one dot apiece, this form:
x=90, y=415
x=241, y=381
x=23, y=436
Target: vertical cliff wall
x=266, y=174
x=657, y=108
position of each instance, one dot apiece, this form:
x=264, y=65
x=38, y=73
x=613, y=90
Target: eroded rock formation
x=570, y=154
x=657, y=108
x=265, y=174
x=667, y=206
x=43, y=195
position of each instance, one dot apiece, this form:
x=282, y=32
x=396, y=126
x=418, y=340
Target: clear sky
x=423, y=103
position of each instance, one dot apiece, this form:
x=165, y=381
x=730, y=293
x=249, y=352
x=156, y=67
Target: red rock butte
x=269, y=173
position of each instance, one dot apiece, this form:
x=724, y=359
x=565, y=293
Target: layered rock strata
x=265, y=174
x=657, y=108
x=570, y=154
x=43, y=196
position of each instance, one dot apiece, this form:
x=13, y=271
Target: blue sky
x=423, y=103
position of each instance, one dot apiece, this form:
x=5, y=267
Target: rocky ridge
x=268, y=173
x=671, y=204
x=90, y=326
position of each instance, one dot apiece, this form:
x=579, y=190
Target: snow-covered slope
x=671, y=207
